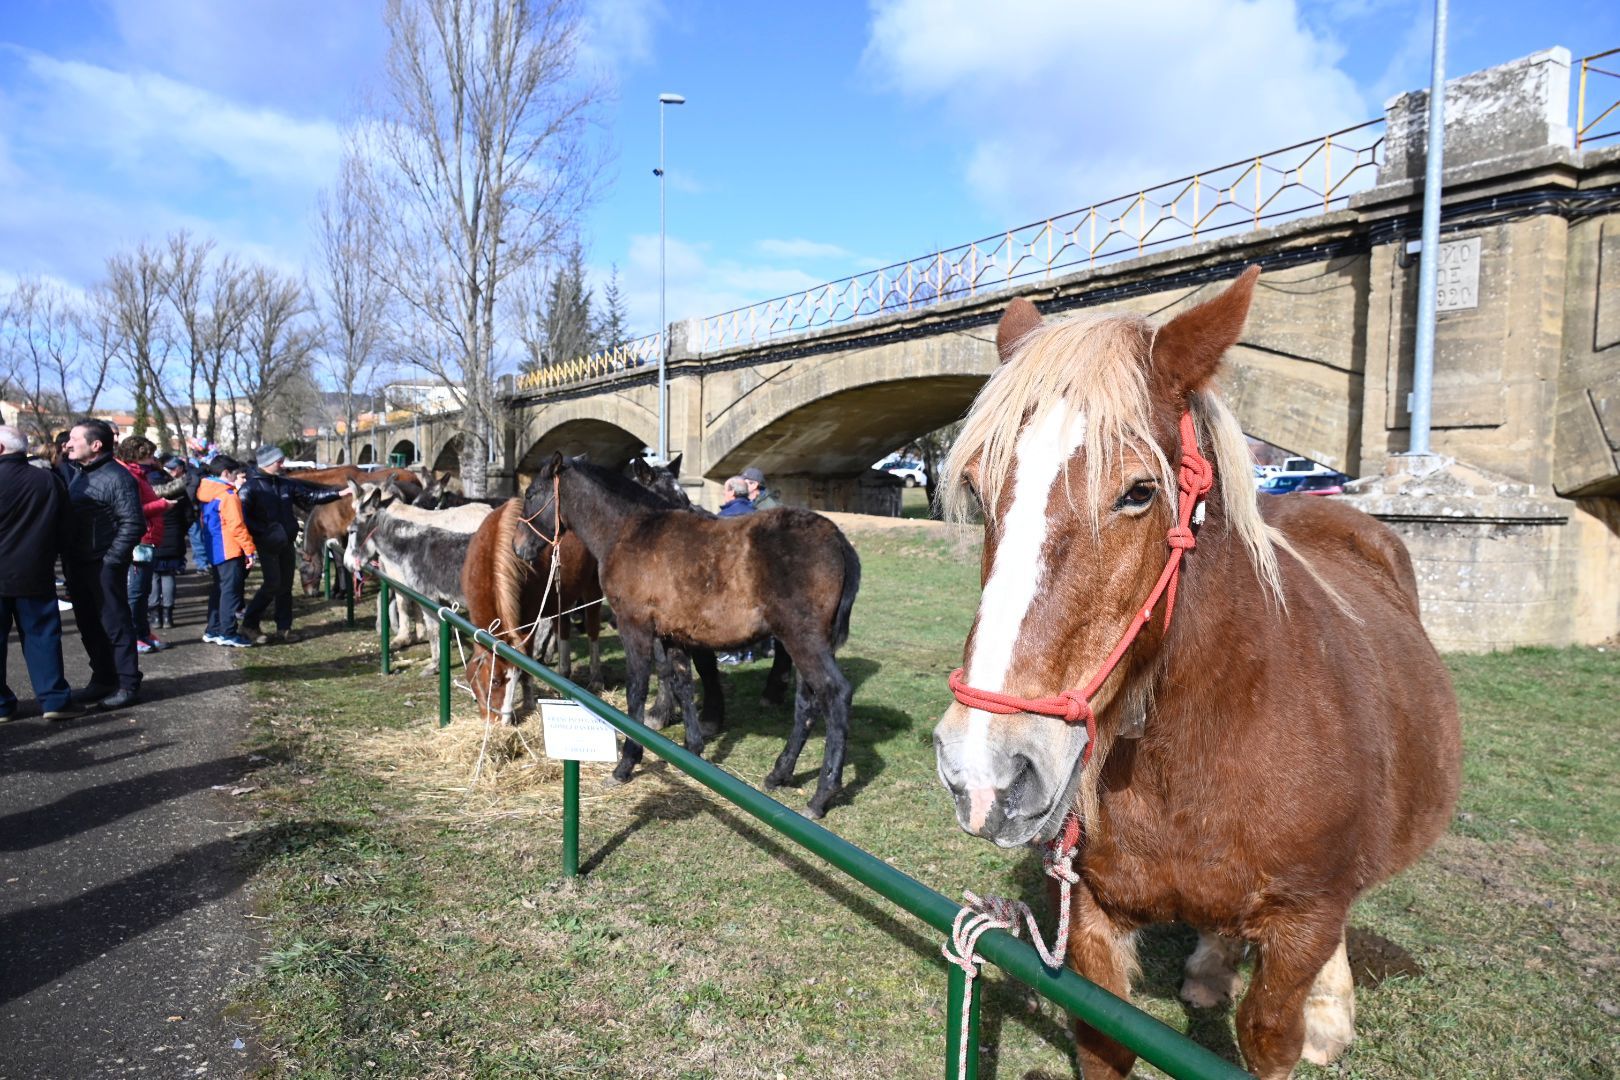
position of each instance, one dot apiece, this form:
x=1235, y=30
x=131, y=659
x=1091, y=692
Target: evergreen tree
x=613, y=325
x=567, y=326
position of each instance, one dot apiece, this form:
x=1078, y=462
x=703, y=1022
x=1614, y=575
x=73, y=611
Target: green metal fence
x=1151, y=1039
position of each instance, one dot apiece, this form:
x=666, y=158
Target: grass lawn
x=420, y=925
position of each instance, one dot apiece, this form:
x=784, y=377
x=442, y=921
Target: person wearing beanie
x=761, y=496
x=269, y=502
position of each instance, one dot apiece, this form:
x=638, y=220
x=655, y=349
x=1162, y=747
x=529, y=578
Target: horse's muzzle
x=1012, y=779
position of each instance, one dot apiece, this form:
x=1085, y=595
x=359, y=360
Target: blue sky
x=818, y=140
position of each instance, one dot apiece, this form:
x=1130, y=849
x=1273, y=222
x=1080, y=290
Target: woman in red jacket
x=133, y=452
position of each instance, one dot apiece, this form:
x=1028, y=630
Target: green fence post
x=383, y=624
x=961, y=993
x=444, y=672
x=354, y=587
x=326, y=573
x=570, y=819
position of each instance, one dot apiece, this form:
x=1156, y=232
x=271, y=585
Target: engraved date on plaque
x=1459, y=275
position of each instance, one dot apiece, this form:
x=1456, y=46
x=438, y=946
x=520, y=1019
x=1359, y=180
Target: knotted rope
x=982, y=914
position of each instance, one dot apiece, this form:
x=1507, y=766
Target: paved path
x=122, y=914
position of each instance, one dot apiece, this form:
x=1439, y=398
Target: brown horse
x=328, y=521
x=1260, y=759
x=510, y=594
x=699, y=582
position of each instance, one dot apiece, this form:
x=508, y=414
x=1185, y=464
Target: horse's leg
x=804, y=706
x=1105, y=954
x=683, y=692
x=434, y=658
x=834, y=695
x=1271, y=1019
x=713, y=718
x=508, y=698
x=1330, y=1010
x=776, y=683
x=664, y=706
x=638, y=650
x=593, y=630
x=1212, y=971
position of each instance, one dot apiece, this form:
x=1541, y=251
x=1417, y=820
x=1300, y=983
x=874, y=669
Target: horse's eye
x=1140, y=494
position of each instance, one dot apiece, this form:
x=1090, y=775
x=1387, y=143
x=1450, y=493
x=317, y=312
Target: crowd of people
x=745, y=493
x=120, y=522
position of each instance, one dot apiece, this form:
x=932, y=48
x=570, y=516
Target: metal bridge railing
x=1154, y=1041
x=626, y=357
x=1604, y=83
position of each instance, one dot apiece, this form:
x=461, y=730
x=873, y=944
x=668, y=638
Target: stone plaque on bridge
x=1459, y=275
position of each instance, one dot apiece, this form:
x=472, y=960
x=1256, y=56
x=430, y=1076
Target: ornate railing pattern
x=631, y=354
x=1309, y=177
x=1604, y=84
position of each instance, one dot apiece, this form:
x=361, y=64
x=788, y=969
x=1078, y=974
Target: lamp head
x=671, y=99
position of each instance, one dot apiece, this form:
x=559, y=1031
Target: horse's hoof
x=710, y=731
x=772, y=783
x=812, y=813
x=657, y=723
x=610, y=781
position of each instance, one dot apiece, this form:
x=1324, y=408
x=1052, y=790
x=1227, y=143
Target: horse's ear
x=639, y=470
x=1189, y=347
x=674, y=465
x=1017, y=322
x=553, y=465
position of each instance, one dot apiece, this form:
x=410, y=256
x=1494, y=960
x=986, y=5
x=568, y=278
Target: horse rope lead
x=1194, y=479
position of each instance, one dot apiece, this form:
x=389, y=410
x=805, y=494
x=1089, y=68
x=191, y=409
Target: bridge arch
x=365, y=455
x=610, y=428
x=404, y=451
x=448, y=459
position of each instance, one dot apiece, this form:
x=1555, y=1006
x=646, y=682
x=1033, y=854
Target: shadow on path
x=41, y=944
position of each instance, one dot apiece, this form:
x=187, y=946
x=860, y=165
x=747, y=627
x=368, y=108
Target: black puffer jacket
x=33, y=527
x=267, y=507
x=105, y=507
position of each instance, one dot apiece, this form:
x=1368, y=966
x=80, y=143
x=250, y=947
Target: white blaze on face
x=1046, y=442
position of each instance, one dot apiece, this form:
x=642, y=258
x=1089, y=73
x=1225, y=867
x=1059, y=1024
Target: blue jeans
x=140, y=596
x=40, y=627
x=225, y=596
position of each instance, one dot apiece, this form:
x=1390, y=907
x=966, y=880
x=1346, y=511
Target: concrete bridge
x=1525, y=486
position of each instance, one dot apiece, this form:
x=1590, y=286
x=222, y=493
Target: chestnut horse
x=509, y=596
x=1254, y=763
x=694, y=581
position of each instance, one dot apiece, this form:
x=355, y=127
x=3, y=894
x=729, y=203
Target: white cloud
x=618, y=33
x=801, y=249
x=700, y=283
x=1062, y=104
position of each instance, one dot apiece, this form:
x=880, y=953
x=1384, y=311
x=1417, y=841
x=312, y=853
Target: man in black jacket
x=105, y=525
x=33, y=531
x=267, y=507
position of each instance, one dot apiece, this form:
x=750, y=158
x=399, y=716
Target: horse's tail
x=852, y=585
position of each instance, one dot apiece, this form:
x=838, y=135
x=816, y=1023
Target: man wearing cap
x=762, y=497
x=268, y=500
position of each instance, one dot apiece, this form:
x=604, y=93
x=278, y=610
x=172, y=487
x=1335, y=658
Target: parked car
x=906, y=469
x=1324, y=483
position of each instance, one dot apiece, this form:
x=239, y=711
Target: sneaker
x=289, y=636
x=63, y=605
x=6, y=718
x=66, y=712
x=155, y=644
x=235, y=641
x=260, y=637
x=210, y=638
x=119, y=699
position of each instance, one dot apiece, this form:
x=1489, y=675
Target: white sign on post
x=573, y=734
x=1458, y=288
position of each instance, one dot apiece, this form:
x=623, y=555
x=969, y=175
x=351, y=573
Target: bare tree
x=185, y=276
x=42, y=359
x=135, y=291
x=483, y=167
x=356, y=296
x=228, y=299
x=279, y=336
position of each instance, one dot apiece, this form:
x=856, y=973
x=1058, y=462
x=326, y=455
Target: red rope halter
x=1194, y=479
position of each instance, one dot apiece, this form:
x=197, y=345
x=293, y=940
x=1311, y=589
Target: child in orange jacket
x=231, y=545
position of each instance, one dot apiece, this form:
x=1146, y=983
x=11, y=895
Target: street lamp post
x=663, y=321
x=1429, y=264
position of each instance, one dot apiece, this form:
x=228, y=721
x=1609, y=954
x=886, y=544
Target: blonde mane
x=511, y=573
x=1097, y=363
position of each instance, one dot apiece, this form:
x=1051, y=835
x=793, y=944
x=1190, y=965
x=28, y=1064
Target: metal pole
x=326, y=573
x=961, y=994
x=354, y=587
x=663, y=323
x=570, y=819
x=1429, y=258
x=382, y=624
x=444, y=673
